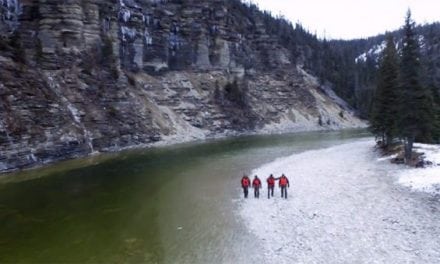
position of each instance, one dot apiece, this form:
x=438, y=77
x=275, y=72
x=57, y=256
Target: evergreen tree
x=383, y=115
x=415, y=112
x=431, y=76
x=436, y=111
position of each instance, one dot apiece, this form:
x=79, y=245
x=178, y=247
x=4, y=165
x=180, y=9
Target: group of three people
x=283, y=183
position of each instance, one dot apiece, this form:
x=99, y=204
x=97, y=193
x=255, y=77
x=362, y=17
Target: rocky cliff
x=85, y=76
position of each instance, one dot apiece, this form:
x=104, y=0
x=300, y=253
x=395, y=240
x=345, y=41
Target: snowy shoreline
x=425, y=179
x=345, y=206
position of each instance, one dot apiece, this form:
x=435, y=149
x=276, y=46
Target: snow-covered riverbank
x=345, y=206
x=424, y=179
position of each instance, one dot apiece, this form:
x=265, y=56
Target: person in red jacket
x=256, y=184
x=245, y=183
x=270, y=186
x=283, y=184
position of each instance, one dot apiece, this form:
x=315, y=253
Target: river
x=175, y=204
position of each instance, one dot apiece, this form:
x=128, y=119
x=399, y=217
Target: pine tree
x=415, y=111
x=383, y=115
x=436, y=111
x=431, y=78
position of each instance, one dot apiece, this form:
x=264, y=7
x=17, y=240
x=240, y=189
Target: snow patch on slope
x=374, y=52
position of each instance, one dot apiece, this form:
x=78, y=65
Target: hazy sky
x=349, y=19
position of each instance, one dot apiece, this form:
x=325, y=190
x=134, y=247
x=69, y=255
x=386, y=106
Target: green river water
x=173, y=204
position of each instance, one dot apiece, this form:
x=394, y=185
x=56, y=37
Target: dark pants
x=245, y=191
x=256, y=192
x=284, y=192
x=269, y=191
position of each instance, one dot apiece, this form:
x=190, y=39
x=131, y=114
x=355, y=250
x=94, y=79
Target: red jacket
x=271, y=181
x=245, y=182
x=284, y=181
x=256, y=183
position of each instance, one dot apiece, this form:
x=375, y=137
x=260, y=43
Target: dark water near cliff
x=167, y=205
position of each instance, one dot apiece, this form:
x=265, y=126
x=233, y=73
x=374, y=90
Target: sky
x=350, y=19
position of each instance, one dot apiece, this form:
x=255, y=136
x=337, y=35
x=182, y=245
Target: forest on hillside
x=350, y=67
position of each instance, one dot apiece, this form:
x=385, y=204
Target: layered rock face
x=84, y=76
x=9, y=14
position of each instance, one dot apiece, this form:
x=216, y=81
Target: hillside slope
x=354, y=74
x=82, y=76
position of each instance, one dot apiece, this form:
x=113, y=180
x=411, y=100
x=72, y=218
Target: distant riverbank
x=184, y=138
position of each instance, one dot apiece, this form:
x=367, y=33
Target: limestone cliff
x=83, y=76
